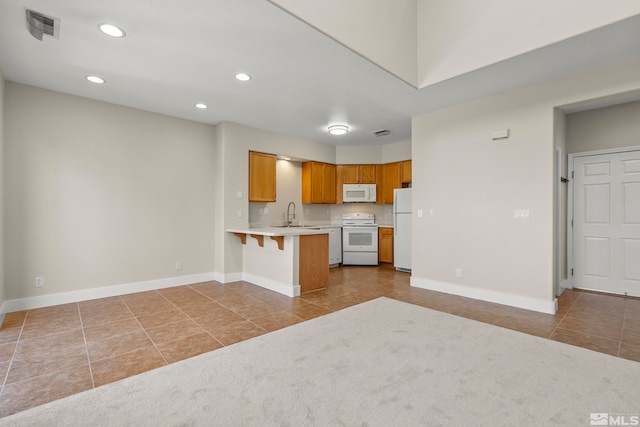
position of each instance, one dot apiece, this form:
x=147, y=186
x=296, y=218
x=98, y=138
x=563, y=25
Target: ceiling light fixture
x=112, y=30
x=95, y=79
x=243, y=77
x=338, y=129
x=201, y=106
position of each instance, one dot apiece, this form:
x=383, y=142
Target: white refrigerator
x=402, y=229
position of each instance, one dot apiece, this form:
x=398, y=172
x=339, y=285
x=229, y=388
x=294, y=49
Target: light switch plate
x=239, y=195
x=522, y=214
x=420, y=213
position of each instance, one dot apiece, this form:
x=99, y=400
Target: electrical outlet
x=39, y=282
x=266, y=211
x=306, y=211
x=239, y=213
x=178, y=265
x=458, y=272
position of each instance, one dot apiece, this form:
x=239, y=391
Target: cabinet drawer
x=386, y=231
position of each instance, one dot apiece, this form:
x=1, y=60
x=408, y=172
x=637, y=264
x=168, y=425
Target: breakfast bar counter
x=288, y=260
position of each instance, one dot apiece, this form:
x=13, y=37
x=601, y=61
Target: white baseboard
x=229, y=278
x=565, y=284
x=548, y=307
x=103, y=292
x=281, y=288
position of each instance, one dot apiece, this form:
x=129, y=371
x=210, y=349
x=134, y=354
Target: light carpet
x=380, y=363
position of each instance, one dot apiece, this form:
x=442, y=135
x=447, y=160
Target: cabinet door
x=329, y=184
x=367, y=174
x=318, y=182
x=405, y=171
x=385, y=245
x=350, y=174
x=262, y=177
x=390, y=181
x=313, y=262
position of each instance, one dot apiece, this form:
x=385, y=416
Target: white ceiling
x=178, y=53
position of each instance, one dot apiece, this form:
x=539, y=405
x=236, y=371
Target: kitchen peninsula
x=288, y=260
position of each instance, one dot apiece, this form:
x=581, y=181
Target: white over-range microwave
x=358, y=193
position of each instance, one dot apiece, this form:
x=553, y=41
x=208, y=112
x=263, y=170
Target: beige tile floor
x=53, y=352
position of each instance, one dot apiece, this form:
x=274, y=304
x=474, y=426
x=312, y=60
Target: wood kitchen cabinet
x=385, y=245
x=318, y=183
x=390, y=181
x=405, y=172
x=367, y=174
x=314, y=262
x=350, y=174
x=358, y=174
x=262, y=177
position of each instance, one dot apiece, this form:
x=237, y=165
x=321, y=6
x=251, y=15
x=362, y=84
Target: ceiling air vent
x=39, y=25
x=383, y=132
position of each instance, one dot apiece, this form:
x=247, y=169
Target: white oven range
x=359, y=239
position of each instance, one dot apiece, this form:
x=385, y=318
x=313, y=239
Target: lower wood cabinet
x=385, y=245
x=314, y=262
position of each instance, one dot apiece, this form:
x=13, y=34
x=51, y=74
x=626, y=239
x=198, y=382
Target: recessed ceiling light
x=338, y=129
x=201, y=106
x=243, y=77
x=112, y=30
x=95, y=79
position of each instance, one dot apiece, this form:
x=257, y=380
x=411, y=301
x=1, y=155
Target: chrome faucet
x=289, y=215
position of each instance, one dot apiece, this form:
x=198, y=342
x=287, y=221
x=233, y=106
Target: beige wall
x=99, y=195
x=383, y=31
x=451, y=43
x=376, y=154
x=474, y=184
x=603, y=128
x=2, y=282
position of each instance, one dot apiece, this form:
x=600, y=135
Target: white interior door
x=606, y=223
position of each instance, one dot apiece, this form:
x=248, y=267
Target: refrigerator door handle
x=395, y=213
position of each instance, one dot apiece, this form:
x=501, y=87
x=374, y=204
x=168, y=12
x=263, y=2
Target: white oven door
x=359, y=239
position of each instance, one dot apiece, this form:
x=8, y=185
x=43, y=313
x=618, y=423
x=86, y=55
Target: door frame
x=572, y=156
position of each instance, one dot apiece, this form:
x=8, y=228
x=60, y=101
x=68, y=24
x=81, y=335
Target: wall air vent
x=42, y=25
x=383, y=132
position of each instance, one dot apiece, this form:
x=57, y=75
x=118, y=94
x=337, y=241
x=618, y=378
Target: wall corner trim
x=528, y=303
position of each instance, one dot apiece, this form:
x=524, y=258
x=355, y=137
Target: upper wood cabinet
x=358, y=174
x=405, y=172
x=318, y=183
x=367, y=174
x=390, y=181
x=350, y=174
x=262, y=177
